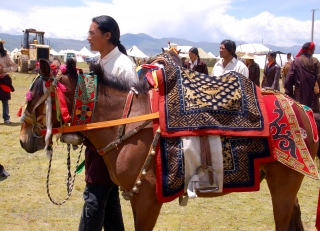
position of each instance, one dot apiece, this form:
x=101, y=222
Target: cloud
x=203, y=20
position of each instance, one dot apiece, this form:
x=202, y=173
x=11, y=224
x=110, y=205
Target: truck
x=32, y=49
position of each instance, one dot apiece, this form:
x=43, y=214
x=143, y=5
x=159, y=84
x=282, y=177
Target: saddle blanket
x=191, y=103
x=288, y=133
x=237, y=166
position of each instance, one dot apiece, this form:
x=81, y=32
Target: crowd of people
x=303, y=72
x=102, y=207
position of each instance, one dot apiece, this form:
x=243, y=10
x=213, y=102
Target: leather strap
x=206, y=161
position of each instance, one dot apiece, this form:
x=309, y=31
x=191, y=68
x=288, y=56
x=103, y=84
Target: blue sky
x=281, y=23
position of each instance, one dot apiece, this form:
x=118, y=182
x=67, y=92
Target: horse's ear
x=45, y=68
x=179, y=51
x=162, y=50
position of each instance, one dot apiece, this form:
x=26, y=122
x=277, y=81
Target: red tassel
x=318, y=213
x=19, y=113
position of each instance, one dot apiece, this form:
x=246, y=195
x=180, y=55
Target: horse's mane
x=121, y=84
x=37, y=85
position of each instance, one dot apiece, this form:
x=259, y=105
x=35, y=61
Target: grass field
x=25, y=205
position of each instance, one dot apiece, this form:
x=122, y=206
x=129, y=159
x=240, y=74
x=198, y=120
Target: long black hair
x=230, y=46
x=108, y=24
x=3, y=52
x=195, y=51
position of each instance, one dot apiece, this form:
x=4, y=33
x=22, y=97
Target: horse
x=126, y=160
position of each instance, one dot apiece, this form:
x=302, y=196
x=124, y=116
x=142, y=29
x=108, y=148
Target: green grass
x=25, y=205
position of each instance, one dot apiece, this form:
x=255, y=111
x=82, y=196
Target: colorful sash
x=85, y=99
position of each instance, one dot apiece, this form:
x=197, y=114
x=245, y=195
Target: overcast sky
x=276, y=22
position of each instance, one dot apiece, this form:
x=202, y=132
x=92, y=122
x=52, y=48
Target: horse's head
x=41, y=108
x=169, y=57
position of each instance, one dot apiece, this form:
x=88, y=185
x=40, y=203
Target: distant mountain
x=147, y=44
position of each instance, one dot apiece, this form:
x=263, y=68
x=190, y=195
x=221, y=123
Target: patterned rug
x=289, y=135
x=196, y=104
x=241, y=159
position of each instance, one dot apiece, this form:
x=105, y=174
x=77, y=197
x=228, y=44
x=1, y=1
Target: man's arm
x=257, y=75
x=276, y=77
x=289, y=80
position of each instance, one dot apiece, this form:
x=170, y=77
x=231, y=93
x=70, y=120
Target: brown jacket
x=201, y=67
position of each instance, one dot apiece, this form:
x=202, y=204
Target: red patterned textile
x=289, y=135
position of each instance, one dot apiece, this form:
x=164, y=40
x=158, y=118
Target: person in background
x=101, y=196
x=228, y=60
x=253, y=67
x=285, y=68
x=289, y=57
x=183, y=60
x=195, y=63
x=304, y=73
x=271, y=74
x=6, y=65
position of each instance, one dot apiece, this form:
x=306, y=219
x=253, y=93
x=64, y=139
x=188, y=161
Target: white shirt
x=7, y=64
x=192, y=64
x=233, y=65
x=118, y=64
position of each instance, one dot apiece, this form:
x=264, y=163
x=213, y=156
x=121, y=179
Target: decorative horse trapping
x=197, y=104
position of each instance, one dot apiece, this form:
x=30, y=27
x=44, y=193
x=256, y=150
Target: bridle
x=30, y=117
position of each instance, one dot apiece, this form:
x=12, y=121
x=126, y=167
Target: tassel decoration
x=19, y=113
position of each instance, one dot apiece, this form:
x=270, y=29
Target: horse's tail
x=317, y=119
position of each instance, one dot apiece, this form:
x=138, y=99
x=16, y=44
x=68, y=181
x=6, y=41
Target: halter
x=31, y=118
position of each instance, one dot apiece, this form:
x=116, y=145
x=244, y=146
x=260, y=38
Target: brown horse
x=125, y=161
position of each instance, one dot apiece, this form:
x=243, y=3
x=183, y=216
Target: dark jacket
x=96, y=170
x=254, y=73
x=304, y=71
x=201, y=67
x=5, y=83
x=271, y=76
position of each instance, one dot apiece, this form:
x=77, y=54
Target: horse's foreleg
x=146, y=209
x=296, y=222
x=284, y=184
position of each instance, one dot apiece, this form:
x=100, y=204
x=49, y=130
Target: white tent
x=316, y=56
x=213, y=56
x=85, y=52
x=15, y=50
x=69, y=52
x=203, y=54
x=255, y=48
x=135, y=52
x=53, y=52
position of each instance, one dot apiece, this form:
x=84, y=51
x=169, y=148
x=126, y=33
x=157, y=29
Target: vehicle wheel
x=23, y=64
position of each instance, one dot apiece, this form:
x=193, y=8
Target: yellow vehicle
x=32, y=49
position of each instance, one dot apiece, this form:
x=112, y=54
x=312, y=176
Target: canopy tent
x=213, y=56
x=255, y=48
x=316, y=56
x=15, y=50
x=135, y=52
x=85, y=52
x=53, y=52
x=78, y=56
x=203, y=54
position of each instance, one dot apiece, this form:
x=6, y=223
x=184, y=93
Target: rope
x=70, y=180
